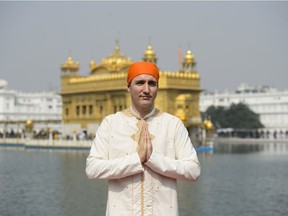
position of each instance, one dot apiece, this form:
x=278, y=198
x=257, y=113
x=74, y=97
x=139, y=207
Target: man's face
x=143, y=89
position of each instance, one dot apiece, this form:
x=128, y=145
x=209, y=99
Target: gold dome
x=29, y=123
x=112, y=63
x=189, y=58
x=149, y=55
x=115, y=58
x=149, y=51
x=70, y=65
x=189, y=61
x=207, y=124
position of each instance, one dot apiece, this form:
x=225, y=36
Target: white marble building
x=268, y=102
x=44, y=109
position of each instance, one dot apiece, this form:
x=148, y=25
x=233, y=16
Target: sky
x=233, y=42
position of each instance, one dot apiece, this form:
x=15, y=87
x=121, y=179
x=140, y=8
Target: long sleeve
x=185, y=165
x=101, y=165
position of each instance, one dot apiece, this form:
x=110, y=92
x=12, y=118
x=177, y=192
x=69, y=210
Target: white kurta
x=136, y=189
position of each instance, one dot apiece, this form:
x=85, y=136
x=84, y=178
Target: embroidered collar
x=136, y=114
x=130, y=112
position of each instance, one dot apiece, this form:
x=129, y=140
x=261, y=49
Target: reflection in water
x=43, y=182
x=48, y=183
x=278, y=148
x=267, y=147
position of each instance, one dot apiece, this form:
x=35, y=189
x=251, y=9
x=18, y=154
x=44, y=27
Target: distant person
x=142, y=152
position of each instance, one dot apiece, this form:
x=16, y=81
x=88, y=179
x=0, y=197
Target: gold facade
x=88, y=99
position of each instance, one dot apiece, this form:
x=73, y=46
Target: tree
x=237, y=116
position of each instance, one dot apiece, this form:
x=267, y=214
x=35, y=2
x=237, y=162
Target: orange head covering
x=138, y=68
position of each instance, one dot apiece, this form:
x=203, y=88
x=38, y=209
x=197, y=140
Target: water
x=245, y=182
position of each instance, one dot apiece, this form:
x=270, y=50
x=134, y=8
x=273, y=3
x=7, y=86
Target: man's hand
x=144, y=145
x=149, y=147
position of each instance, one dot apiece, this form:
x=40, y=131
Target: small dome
x=149, y=51
x=29, y=123
x=189, y=61
x=150, y=55
x=70, y=65
x=207, y=124
x=189, y=57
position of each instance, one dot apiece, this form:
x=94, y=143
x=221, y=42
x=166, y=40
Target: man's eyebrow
x=140, y=80
x=145, y=80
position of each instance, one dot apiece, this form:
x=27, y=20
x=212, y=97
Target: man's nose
x=146, y=87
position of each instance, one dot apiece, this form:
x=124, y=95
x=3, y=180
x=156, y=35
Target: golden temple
x=88, y=99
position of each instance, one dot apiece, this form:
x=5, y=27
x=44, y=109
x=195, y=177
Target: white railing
x=47, y=142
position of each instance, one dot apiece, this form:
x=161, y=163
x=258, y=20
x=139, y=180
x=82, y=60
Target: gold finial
x=117, y=48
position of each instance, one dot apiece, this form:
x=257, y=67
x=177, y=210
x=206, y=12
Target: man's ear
x=128, y=88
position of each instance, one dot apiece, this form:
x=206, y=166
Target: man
x=142, y=152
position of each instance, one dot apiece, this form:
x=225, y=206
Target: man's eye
x=152, y=83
